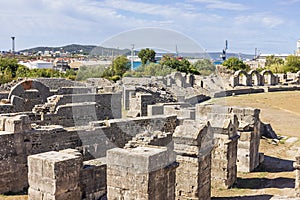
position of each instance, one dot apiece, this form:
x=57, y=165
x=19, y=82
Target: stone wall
x=139, y=103
x=20, y=138
x=13, y=175
x=297, y=181
x=79, y=109
x=57, y=83
x=186, y=113
x=92, y=179
x=193, y=145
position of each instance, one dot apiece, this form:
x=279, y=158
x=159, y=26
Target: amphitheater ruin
x=139, y=138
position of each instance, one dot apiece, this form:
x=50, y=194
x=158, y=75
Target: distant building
x=62, y=65
x=38, y=64
x=254, y=64
x=298, y=48
x=90, y=63
x=264, y=56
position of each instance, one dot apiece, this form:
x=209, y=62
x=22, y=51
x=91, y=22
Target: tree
x=120, y=65
x=235, y=64
x=182, y=65
x=147, y=55
x=271, y=60
x=292, y=64
x=9, y=63
x=205, y=67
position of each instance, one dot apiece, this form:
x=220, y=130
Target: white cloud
x=289, y=2
x=258, y=20
x=218, y=4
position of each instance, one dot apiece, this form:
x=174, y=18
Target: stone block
x=140, y=173
x=140, y=159
x=54, y=172
x=189, y=134
x=155, y=110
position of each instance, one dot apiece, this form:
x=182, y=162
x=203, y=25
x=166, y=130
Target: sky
x=270, y=26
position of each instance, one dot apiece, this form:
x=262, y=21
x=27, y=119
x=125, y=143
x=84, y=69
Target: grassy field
x=276, y=176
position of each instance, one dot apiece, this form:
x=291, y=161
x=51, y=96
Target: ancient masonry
x=72, y=142
x=193, y=146
x=297, y=182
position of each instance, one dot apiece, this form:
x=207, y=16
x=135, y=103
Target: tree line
x=11, y=70
x=274, y=64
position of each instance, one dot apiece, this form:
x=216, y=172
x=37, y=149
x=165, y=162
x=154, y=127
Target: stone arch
x=267, y=77
x=297, y=78
x=179, y=79
x=20, y=89
x=241, y=77
x=255, y=77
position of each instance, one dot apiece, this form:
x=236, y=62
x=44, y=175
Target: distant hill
x=98, y=50
x=76, y=48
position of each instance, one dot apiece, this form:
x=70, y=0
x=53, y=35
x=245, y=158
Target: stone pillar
x=126, y=96
x=13, y=163
x=143, y=173
x=248, y=128
x=193, y=145
x=54, y=175
x=297, y=181
x=224, y=155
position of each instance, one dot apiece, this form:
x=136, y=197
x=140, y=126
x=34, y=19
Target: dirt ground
x=281, y=109
x=276, y=176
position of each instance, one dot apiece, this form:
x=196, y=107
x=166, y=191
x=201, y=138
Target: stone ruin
x=297, y=181
x=193, y=146
x=264, y=78
x=74, y=144
x=254, y=78
x=248, y=129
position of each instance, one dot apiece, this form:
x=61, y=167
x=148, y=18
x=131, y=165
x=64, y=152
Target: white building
x=38, y=64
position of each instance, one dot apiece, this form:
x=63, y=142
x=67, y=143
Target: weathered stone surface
x=297, y=181
x=249, y=129
x=224, y=155
x=193, y=145
x=93, y=179
x=55, y=175
x=140, y=173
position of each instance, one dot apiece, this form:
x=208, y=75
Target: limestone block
x=17, y=124
x=140, y=159
x=140, y=173
x=155, y=110
x=189, y=134
x=2, y=123
x=93, y=179
x=246, y=136
x=54, y=172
